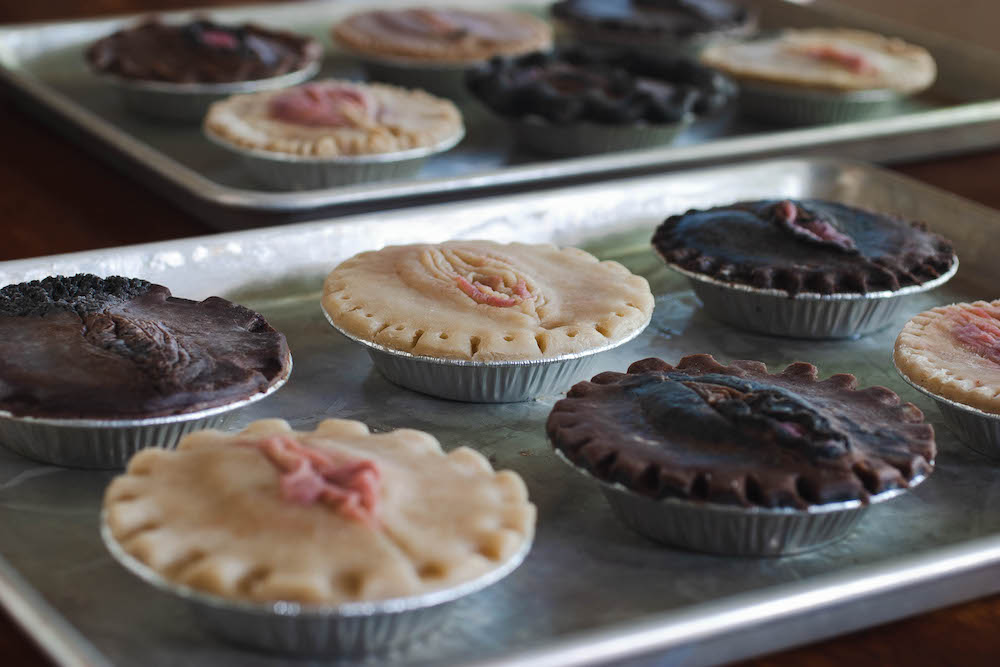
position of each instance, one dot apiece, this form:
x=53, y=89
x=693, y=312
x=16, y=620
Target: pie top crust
x=123, y=348
x=485, y=301
x=201, y=52
x=832, y=59
x=335, y=118
x=954, y=352
x=445, y=36
x=324, y=517
x=739, y=435
x=659, y=18
x=809, y=245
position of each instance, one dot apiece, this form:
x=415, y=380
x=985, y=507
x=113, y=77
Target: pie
x=201, y=51
x=334, y=118
x=321, y=517
x=738, y=435
x=954, y=352
x=485, y=301
x=618, y=88
x=123, y=348
x=809, y=245
x=836, y=59
x=441, y=35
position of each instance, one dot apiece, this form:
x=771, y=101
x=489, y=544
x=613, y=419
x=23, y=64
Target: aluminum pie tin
x=484, y=381
x=583, y=138
x=290, y=627
x=796, y=105
x=110, y=443
x=284, y=171
x=733, y=530
x=188, y=102
x=807, y=314
x=978, y=429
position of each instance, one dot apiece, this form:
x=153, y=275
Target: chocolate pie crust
x=123, y=348
x=810, y=245
x=738, y=435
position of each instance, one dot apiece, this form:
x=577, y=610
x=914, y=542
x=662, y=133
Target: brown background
x=55, y=198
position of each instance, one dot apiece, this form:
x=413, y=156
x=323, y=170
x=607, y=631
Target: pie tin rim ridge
x=289, y=609
x=817, y=296
x=416, y=153
x=91, y=422
x=444, y=361
x=220, y=88
x=810, y=510
x=941, y=399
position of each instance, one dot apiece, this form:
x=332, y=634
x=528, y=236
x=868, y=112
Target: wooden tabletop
x=56, y=198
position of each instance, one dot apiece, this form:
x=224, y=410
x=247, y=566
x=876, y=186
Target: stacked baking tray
x=590, y=590
x=43, y=68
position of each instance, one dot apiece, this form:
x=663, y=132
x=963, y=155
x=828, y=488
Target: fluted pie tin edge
x=978, y=429
x=188, y=102
x=484, y=381
x=807, y=314
x=352, y=628
x=110, y=443
x=584, y=138
x=734, y=530
x=796, y=105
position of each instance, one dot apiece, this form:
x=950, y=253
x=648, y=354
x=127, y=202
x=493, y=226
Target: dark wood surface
x=55, y=198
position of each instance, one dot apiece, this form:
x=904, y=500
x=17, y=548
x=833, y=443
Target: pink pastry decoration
x=977, y=329
x=310, y=475
x=324, y=105
x=849, y=60
x=491, y=291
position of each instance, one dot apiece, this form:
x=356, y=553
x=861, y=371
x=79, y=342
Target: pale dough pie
x=486, y=301
x=334, y=515
x=334, y=118
x=442, y=35
x=954, y=352
x=827, y=58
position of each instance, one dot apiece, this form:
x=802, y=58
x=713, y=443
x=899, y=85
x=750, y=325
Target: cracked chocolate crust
x=661, y=18
x=738, y=435
x=809, y=245
x=123, y=348
x=201, y=52
x=574, y=85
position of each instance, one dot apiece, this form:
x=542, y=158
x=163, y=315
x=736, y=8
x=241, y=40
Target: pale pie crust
x=486, y=34
x=408, y=298
x=403, y=119
x=895, y=64
x=210, y=516
x=928, y=353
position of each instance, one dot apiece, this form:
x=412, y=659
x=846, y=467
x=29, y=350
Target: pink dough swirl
x=324, y=105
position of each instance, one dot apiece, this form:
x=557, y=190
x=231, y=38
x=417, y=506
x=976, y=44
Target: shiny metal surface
x=43, y=69
x=351, y=629
x=806, y=315
x=110, y=443
x=978, y=429
x=592, y=590
x=484, y=382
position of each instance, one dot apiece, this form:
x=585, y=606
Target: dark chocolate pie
x=810, y=246
x=617, y=88
x=739, y=435
x=123, y=348
x=201, y=52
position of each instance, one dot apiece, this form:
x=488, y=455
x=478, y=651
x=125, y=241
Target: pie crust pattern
x=332, y=118
x=485, y=301
x=954, y=352
x=739, y=435
x=215, y=515
x=827, y=58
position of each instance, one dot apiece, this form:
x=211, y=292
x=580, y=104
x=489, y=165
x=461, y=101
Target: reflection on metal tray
x=43, y=68
x=590, y=590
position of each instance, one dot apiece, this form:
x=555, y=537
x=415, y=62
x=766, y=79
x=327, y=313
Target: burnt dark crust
x=201, y=51
x=811, y=245
x=123, y=348
x=611, y=88
x=738, y=435
x=659, y=18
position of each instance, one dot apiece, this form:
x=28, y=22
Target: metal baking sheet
x=591, y=590
x=43, y=68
